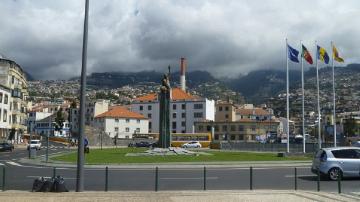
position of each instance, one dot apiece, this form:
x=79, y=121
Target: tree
x=350, y=126
x=59, y=120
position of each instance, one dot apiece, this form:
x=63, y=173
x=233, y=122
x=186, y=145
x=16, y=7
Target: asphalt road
x=20, y=177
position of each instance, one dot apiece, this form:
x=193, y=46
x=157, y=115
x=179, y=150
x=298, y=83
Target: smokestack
x=182, y=74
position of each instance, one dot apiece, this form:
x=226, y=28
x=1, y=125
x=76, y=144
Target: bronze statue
x=164, y=123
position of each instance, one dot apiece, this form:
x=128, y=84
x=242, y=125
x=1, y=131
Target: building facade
x=5, y=116
x=185, y=110
x=121, y=122
x=46, y=127
x=13, y=78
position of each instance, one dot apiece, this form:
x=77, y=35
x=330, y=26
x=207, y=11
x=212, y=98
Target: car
x=34, y=144
x=337, y=161
x=6, y=146
x=191, y=145
x=140, y=144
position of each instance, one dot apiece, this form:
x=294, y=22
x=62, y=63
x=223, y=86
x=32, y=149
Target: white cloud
x=223, y=37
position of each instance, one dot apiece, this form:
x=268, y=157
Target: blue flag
x=293, y=54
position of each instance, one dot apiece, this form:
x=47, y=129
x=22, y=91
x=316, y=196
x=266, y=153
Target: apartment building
x=4, y=112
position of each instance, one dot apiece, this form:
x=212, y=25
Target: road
x=20, y=177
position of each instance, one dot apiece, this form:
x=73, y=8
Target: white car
x=191, y=145
x=34, y=144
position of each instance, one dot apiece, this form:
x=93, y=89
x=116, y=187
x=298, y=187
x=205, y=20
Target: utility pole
x=80, y=157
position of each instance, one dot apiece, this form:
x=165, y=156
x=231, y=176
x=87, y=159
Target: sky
x=226, y=38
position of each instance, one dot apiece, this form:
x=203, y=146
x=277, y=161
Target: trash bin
x=32, y=153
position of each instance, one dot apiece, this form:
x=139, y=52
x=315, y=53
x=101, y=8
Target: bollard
x=54, y=172
x=339, y=182
x=318, y=179
x=106, y=178
x=3, y=179
x=251, y=178
x=295, y=178
x=204, y=178
x=156, y=178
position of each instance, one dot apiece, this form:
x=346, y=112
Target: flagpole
x=318, y=97
x=302, y=87
x=334, y=97
x=287, y=99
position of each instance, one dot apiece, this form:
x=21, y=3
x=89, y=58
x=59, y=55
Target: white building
x=92, y=109
x=4, y=112
x=46, y=127
x=34, y=117
x=121, y=122
x=185, y=109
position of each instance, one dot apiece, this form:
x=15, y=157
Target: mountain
x=119, y=79
x=29, y=77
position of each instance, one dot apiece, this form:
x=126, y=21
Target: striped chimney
x=182, y=74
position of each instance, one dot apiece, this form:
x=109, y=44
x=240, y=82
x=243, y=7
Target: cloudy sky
x=226, y=37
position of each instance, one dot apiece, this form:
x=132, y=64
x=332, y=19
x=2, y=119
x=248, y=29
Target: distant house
x=47, y=125
x=121, y=122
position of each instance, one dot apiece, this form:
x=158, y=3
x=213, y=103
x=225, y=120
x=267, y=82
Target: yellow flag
x=336, y=55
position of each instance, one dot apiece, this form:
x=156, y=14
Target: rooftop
x=120, y=112
x=176, y=94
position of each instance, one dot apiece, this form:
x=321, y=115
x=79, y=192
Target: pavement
x=177, y=196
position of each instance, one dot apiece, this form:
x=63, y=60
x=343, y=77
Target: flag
x=306, y=55
x=322, y=55
x=336, y=55
x=293, y=54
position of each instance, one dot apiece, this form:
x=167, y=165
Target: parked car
x=191, y=145
x=337, y=161
x=34, y=144
x=140, y=144
x=6, y=146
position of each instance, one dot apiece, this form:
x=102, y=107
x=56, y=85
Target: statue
x=164, y=96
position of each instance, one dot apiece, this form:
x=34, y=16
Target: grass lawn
x=117, y=156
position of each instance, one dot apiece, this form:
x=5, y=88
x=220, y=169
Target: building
x=33, y=118
x=121, y=122
x=12, y=77
x=92, y=109
x=239, y=123
x=46, y=126
x=185, y=109
x=5, y=116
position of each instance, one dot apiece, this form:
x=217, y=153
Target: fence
x=201, y=178
x=271, y=147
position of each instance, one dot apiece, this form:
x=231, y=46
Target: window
x=226, y=108
x=183, y=131
x=241, y=128
x=183, y=115
x=346, y=154
x=117, y=120
x=232, y=137
x=127, y=129
x=149, y=107
x=127, y=120
x=183, y=123
x=150, y=125
x=201, y=128
x=138, y=121
x=216, y=128
x=198, y=115
x=253, y=128
x=174, y=115
x=5, y=115
x=173, y=131
x=183, y=106
x=174, y=125
x=208, y=128
x=233, y=128
x=116, y=129
x=138, y=130
x=141, y=108
x=149, y=116
x=174, y=106
x=216, y=137
x=226, y=116
x=220, y=108
x=12, y=79
x=198, y=106
x=1, y=96
x=6, y=99
x=224, y=128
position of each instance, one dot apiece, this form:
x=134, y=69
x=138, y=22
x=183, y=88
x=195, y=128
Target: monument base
x=171, y=151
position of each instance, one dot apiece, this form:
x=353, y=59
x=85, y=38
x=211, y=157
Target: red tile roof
x=176, y=94
x=120, y=112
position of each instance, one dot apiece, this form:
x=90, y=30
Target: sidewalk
x=188, y=196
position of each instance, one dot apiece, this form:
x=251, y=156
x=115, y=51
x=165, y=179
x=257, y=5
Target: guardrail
x=203, y=177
